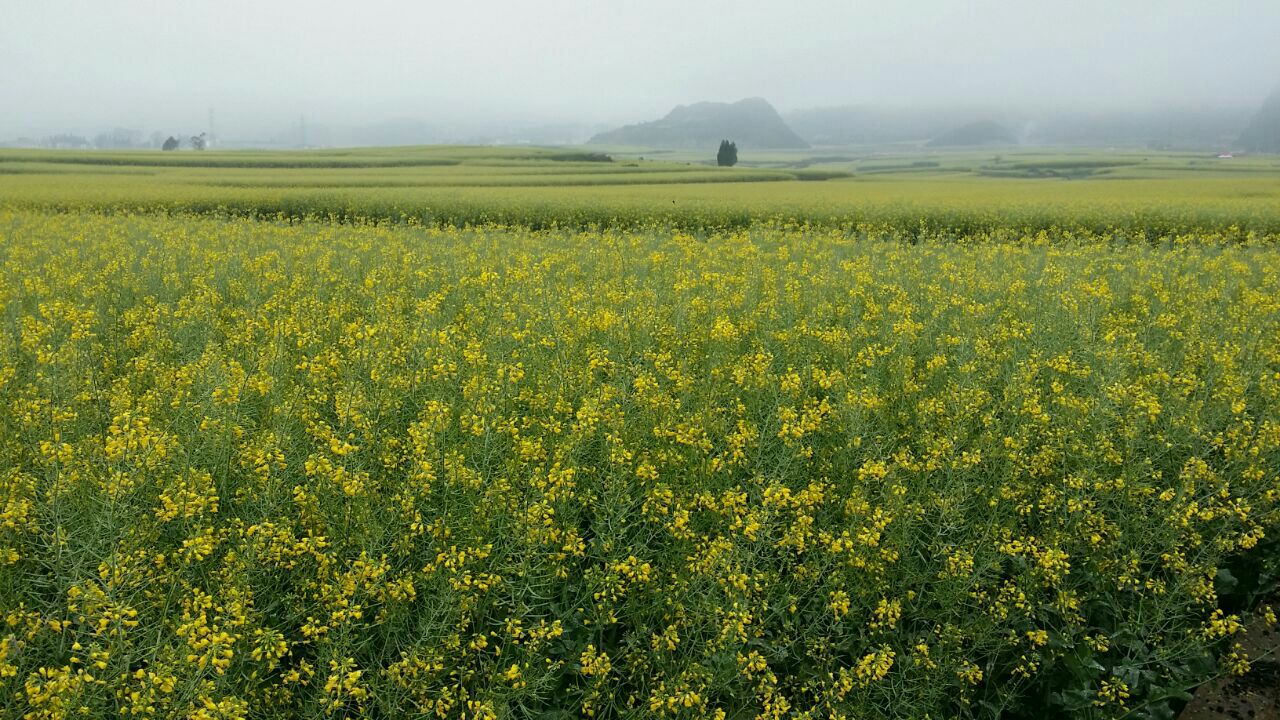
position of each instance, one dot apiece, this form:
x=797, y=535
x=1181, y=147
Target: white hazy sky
x=67, y=64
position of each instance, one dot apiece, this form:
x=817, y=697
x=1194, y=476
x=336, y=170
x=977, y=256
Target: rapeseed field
x=278, y=468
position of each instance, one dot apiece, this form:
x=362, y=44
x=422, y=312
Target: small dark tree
x=170, y=144
x=728, y=154
x=198, y=141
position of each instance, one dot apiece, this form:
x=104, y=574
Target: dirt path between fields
x=1256, y=696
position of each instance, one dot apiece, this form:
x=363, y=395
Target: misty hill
x=1263, y=133
x=859, y=125
x=982, y=132
x=751, y=123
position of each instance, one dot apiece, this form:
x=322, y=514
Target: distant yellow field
x=1156, y=196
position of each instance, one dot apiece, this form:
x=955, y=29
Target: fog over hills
x=1172, y=127
x=285, y=73
x=755, y=125
x=871, y=124
x=982, y=132
x=1263, y=133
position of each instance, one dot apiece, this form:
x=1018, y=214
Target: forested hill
x=751, y=123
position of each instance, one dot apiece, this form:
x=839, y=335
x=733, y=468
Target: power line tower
x=213, y=138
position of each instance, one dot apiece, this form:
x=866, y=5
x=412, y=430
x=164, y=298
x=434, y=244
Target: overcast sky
x=152, y=65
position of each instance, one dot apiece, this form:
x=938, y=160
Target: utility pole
x=213, y=139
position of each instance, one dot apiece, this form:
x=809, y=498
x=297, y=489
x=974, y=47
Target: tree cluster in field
x=197, y=142
x=727, y=156
x=123, y=139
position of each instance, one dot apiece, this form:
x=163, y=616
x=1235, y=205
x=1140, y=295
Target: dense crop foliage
x=263, y=469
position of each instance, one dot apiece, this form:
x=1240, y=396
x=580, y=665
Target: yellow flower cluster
x=256, y=468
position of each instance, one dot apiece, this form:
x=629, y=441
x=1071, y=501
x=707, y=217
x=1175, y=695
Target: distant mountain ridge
x=1263, y=132
x=751, y=123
